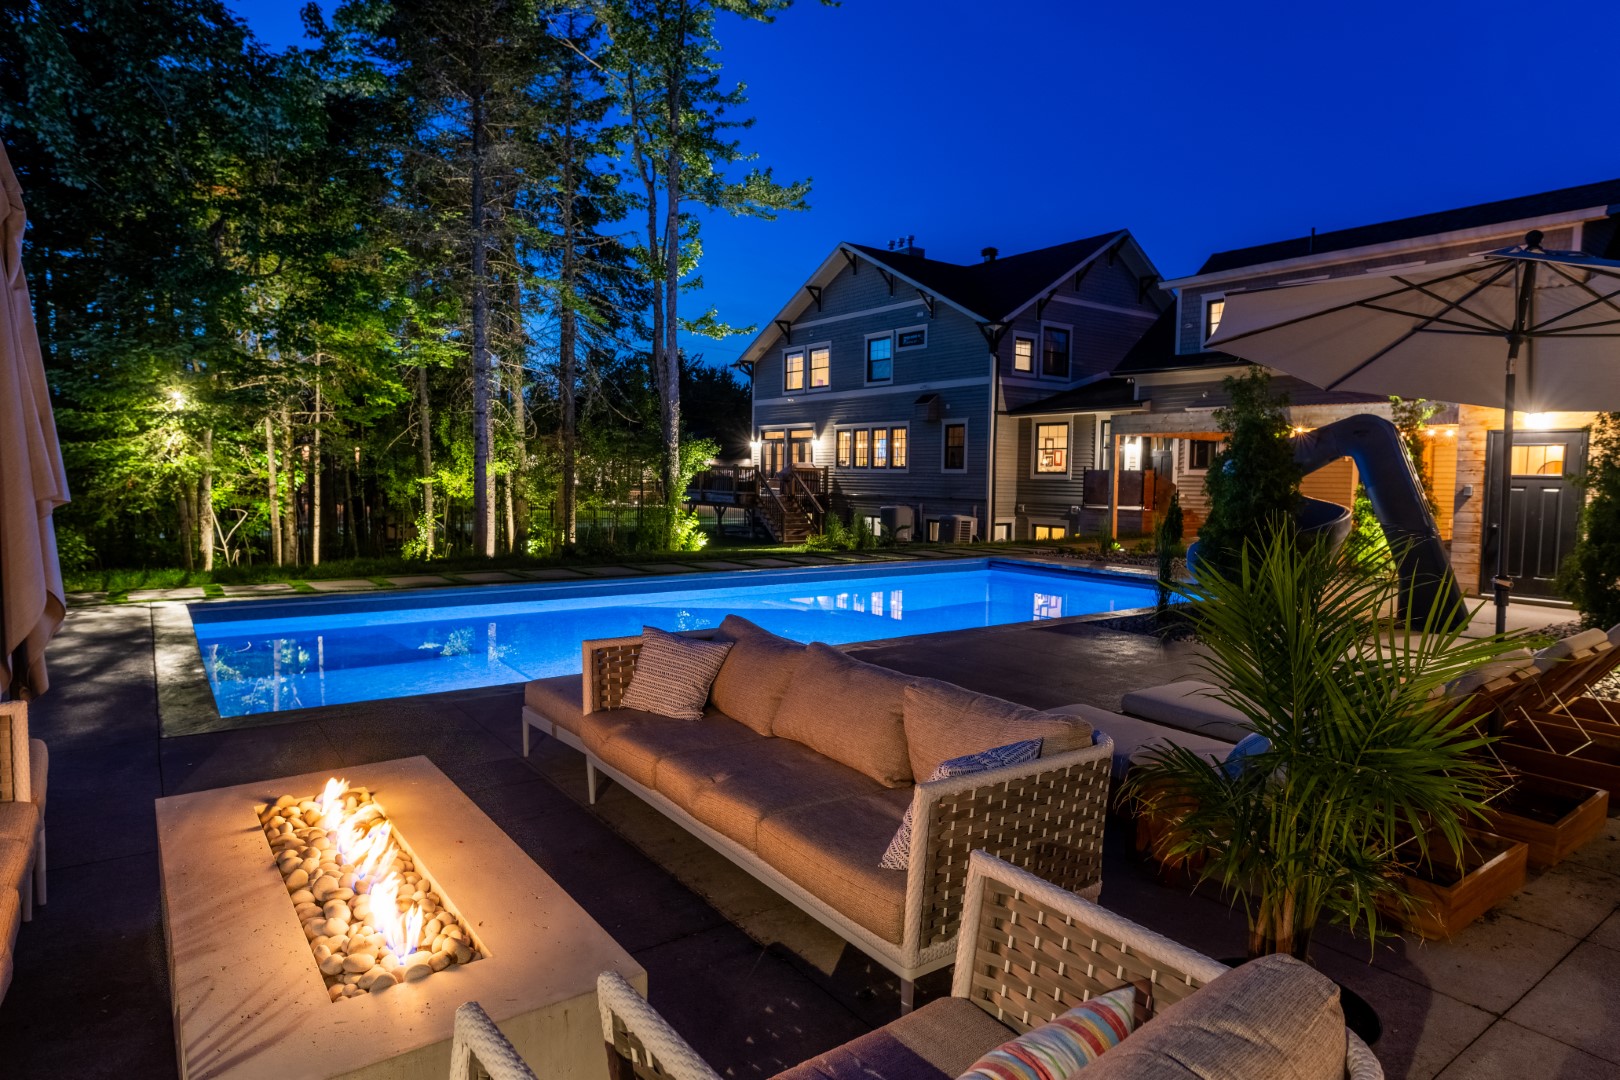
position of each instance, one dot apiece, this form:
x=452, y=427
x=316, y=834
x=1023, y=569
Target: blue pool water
x=276, y=655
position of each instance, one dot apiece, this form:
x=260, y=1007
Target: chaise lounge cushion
x=560, y=700
x=937, y=1042
x=849, y=710
x=19, y=821
x=733, y=788
x=1271, y=1019
x=1132, y=734
x=945, y=722
x=832, y=851
x=1190, y=705
x=756, y=675
x=634, y=742
x=10, y=920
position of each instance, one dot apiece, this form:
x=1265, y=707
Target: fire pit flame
x=371, y=917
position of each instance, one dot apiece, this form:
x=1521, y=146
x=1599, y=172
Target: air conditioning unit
x=899, y=522
x=960, y=528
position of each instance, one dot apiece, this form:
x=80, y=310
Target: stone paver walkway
x=342, y=585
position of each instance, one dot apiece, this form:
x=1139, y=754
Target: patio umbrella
x=1519, y=327
x=32, y=480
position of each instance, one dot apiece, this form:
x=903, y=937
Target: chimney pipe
x=989, y=254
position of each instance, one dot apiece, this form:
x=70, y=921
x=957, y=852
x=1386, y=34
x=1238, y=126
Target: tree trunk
x=315, y=472
x=425, y=409
x=205, y=501
x=185, y=508
x=670, y=414
x=568, y=334
x=483, y=427
x=273, y=491
x=351, y=519
x=289, y=520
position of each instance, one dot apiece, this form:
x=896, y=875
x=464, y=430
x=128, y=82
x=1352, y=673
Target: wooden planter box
x=1594, y=765
x=1553, y=816
x=1587, y=717
x=1460, y=891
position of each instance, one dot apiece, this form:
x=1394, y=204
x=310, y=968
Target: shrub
x=1253, y=481
x=1590, y=577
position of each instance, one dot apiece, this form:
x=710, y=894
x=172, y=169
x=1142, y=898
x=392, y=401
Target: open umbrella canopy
x=1443, y=331
x=32, y=479
x=1516, y=328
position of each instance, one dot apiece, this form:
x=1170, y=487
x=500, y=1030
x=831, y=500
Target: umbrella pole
x=1504, y=584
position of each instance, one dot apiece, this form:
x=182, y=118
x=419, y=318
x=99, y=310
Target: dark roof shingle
x=1155, y=350
x=1604, y=193
x=1110, y=393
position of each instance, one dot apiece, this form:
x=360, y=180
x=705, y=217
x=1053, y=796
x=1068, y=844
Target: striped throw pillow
x=673, y=674
x=898, y=855
x=1064, y=1045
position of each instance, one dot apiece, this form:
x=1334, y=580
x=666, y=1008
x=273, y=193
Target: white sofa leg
x=39, y=867
x=592, y=779
x=908, y=995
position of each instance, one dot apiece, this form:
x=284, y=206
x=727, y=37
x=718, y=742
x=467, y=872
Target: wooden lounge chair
x=1034, y=952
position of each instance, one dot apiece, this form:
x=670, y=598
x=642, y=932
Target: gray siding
x=1051, y=496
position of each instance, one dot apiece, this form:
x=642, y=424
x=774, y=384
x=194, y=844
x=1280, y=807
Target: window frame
x=945, y=446
x=866, y=349
x=1035, y=470
x=1209, y=300
x=901, y=461
x=804, y=370
x=863, y=449
x=810, y=368
x=846, y=454
x=880, y=448
x=1068, y=330
x=1032, y=342
x=1214, y=448
x=919, y=328
x=843, y=447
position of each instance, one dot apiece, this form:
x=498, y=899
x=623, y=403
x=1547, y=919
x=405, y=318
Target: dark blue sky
x=1197, y=126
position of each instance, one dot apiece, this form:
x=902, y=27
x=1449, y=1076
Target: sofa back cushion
x=1271, y=1019
x=944, y=722
x=850, y=711
x=756, y=675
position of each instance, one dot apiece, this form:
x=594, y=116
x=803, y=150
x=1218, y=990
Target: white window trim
x=869, y=468
x=1050, y=523
x=1040, y=351
x=1034, y=354
x=963, y=424
x=1186, y=455
x=1203, y=316
x=1035, y=449
x=808, y=349
x=906, y=330
x=866, y=358
x=804, y=369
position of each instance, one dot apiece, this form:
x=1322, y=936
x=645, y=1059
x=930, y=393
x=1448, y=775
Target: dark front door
x=1544, y=507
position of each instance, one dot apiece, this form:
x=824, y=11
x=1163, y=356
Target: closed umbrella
x=32, y=480
x=1517, y=328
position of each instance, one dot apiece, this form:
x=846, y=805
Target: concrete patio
x=1532, y=991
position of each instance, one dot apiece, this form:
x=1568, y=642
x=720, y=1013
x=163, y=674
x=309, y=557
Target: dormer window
x=1213, y=310
x=1055, y=352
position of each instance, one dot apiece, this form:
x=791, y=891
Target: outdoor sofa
x=805, y=763
x=23, y=772
x=1031, y=952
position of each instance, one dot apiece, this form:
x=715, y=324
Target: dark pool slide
x=1374, y=444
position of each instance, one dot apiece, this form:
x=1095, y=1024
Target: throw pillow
x=1063, y=1045
x=945, y=722
x=1250, y=745
x=850, y=711
x=1270, y=1019
x=898, y=854
x=755, y=677
x=673, y=674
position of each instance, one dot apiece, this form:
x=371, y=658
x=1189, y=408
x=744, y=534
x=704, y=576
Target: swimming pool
x=277, y=655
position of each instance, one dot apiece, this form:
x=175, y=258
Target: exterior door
x=1544, y=507
x=803, y=449
x=773, y=453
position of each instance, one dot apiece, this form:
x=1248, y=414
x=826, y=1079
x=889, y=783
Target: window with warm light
x=1023, y=354
x=793, y=371
x=1055, y=352
x=1052, y=449
x=820, y=368
x=1213, y=310
x=863, y=448
x=880, y=448
x=898, y=437
x=1539, y=459
x=846, y=446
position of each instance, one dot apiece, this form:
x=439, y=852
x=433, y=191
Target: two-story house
x=957, y=391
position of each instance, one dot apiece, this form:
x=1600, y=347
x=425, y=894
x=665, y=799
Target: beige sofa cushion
x=20, y=822
x=560, y=700
x=832, y=850
x=10, y=920
x=633, y=742
x=849, y=710
x=733, y=788
x=943, y=722
x=16, y=858
x=756, y=675
x=1271, y=1019
x=937, y=1042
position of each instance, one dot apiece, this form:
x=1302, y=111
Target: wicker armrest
x=15, y=783
x=478, y=1049
x=608, y=665
x=1046, y=816
x=640, y=1044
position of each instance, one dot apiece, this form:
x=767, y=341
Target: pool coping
x=186, y=704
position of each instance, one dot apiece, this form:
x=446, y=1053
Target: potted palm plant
x=1367, y=771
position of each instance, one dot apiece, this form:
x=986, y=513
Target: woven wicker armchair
x=1047, y=815
x=478, y=1050
x=1036, y=952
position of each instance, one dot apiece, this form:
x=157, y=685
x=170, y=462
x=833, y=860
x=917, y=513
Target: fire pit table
x=244, y=933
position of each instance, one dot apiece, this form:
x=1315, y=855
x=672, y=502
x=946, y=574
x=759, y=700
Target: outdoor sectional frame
x=1046, y=816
